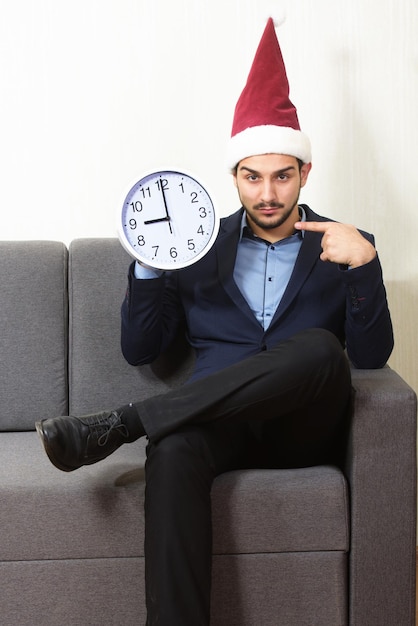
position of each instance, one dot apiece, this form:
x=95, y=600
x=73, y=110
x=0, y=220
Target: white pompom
x=278, y=14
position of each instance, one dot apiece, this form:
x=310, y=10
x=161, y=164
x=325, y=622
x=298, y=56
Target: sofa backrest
x=99, y=376
x=33, y=338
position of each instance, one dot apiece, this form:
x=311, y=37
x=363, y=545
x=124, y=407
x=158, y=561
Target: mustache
x=269, y=205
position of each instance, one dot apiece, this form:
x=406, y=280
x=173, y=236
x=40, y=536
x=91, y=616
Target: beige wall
x=95, y=91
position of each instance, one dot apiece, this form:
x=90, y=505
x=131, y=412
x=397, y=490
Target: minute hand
x=165, y=206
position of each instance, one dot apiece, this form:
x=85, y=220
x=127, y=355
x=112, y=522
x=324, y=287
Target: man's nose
x=268, y=192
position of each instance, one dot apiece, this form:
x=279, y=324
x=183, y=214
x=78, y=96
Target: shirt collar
x=246, y=231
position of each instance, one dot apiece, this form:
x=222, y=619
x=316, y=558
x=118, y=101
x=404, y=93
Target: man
x=269, y=311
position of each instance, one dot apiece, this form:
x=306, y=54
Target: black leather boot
x=71, y=442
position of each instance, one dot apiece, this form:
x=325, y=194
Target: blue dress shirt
x=263, y=269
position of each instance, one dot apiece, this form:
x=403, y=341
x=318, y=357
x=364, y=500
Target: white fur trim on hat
x=268, y=139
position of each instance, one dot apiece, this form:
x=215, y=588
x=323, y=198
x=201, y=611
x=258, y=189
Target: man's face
x=269, y=186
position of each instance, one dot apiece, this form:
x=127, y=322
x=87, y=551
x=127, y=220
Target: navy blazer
x=221, y=326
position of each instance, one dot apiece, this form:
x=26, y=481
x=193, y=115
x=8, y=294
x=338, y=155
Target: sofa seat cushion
x=286, y=510
x=93, y=512
x=97, y=511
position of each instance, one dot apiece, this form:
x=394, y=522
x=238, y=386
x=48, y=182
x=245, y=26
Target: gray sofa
x=322, y=546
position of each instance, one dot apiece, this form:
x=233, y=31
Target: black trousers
x=281, y=408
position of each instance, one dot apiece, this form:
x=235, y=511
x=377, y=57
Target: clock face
x=168, y=220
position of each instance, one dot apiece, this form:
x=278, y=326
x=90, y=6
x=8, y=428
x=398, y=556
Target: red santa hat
x=265, y=120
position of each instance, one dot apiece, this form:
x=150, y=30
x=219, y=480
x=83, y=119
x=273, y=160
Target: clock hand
x=165, y=206
x=160, y=219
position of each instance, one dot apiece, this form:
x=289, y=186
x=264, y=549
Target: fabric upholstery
x=289, y=589
x=99, y=375
x=295, y=510
x=94, y=512
x=256, y=511
x=381, y=470
x=33, y=338
x=73, y=592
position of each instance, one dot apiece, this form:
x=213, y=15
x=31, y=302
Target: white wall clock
x=168, y=220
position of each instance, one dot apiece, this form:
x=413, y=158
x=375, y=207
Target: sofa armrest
x=381, y=470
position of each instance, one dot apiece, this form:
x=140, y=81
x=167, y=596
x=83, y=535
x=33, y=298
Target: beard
x=270, y=222
x=274, y=221
x=265, y=221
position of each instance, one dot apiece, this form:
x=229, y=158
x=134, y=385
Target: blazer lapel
x=226, y=252
x=307, y=257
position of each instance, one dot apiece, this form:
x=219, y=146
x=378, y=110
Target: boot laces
x=104, y=426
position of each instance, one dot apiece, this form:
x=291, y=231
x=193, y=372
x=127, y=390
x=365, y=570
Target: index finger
x=314, y=227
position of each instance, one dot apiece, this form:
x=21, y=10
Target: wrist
x=143, y=271
x=362, y=259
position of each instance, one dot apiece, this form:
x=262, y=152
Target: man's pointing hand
x=341, y=243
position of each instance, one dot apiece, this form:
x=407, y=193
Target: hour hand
x=159, y=219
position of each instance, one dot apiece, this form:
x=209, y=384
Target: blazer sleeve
x=368, y=328
x=151, y=317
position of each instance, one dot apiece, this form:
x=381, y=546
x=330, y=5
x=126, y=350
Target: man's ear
x=304, y=173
